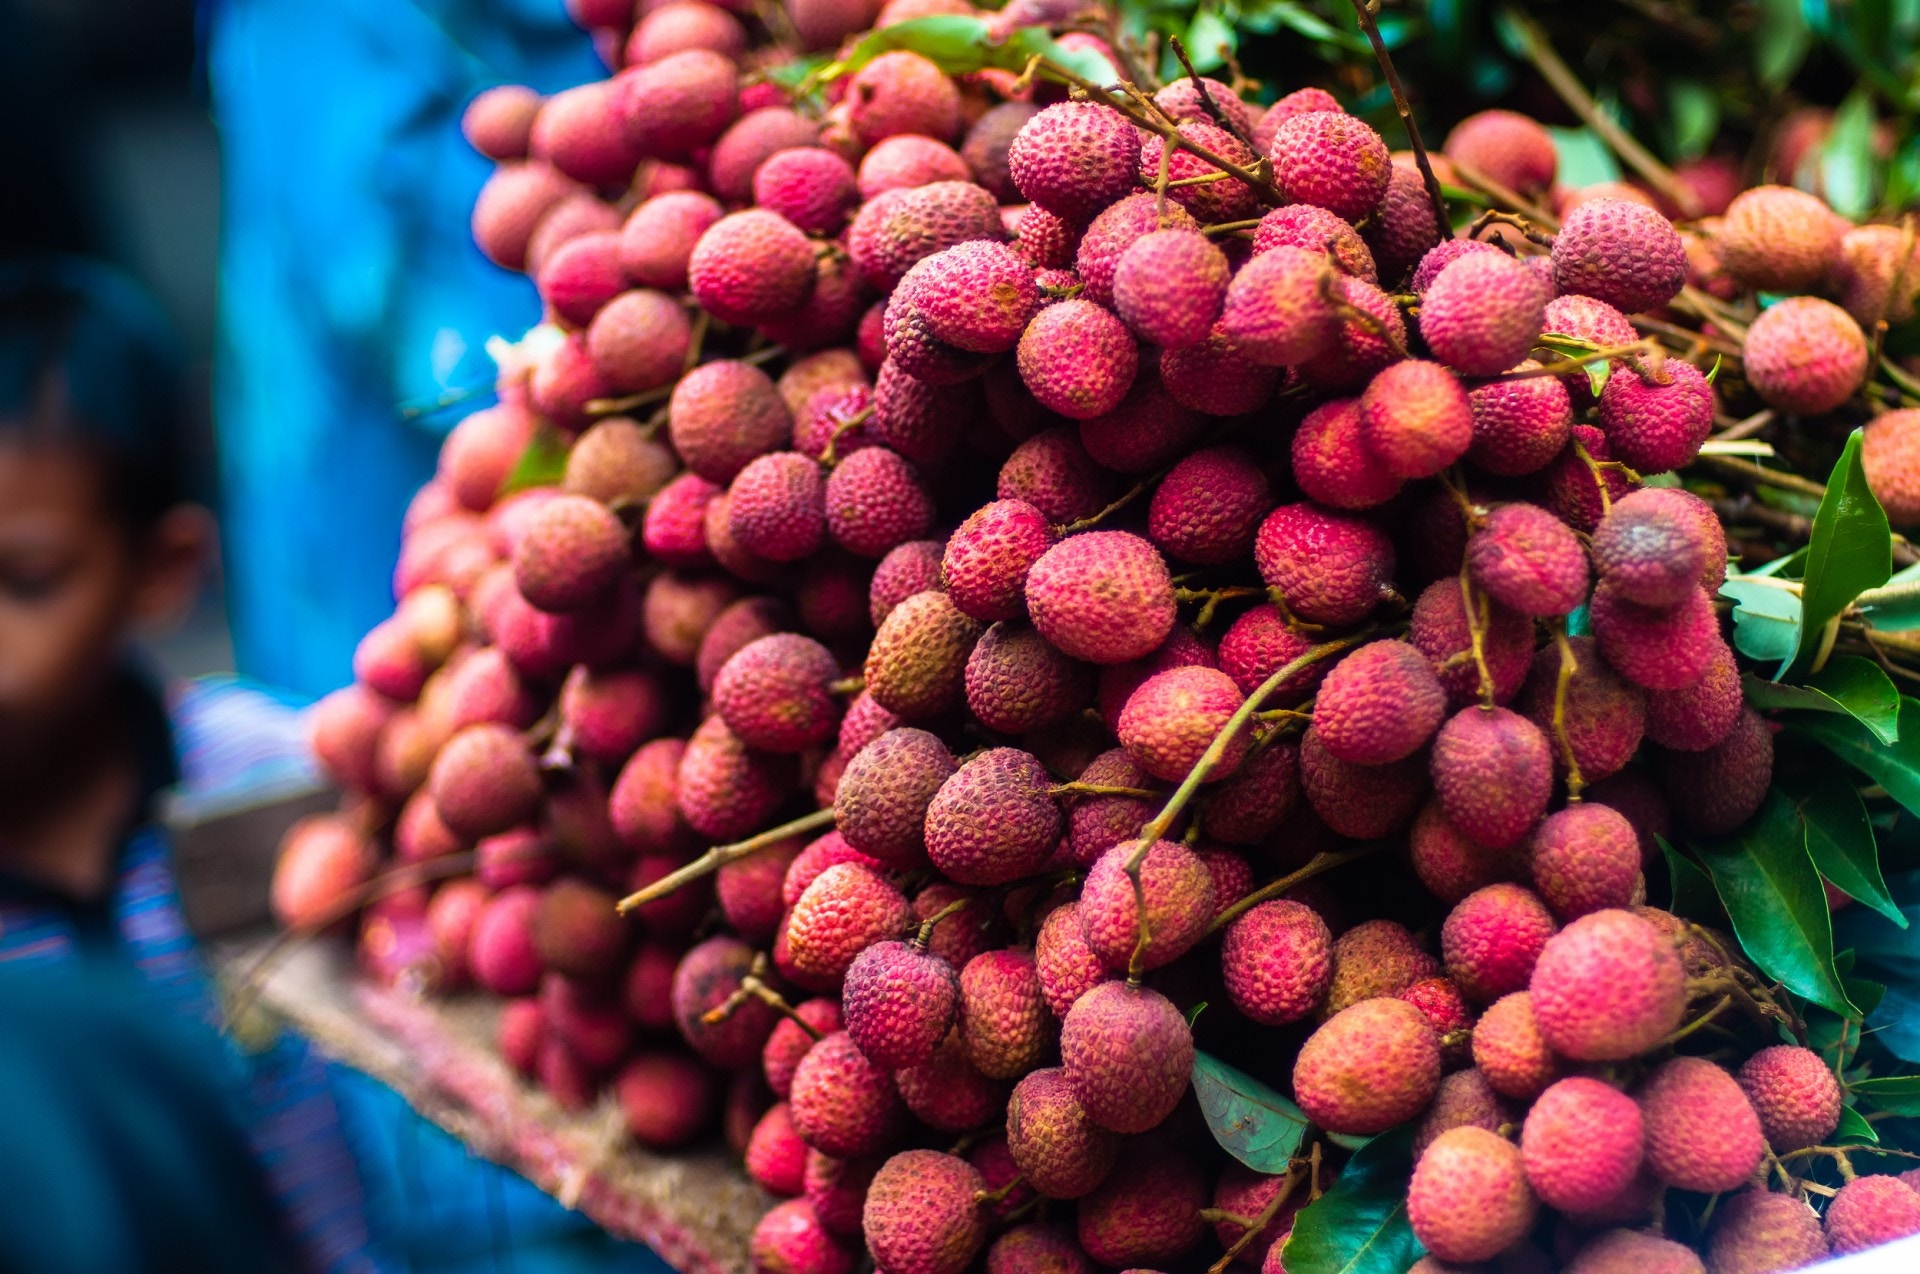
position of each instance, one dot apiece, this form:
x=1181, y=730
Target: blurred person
x=350, y=287
x=97, y=544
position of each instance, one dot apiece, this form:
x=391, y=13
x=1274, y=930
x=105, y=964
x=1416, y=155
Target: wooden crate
x=696, y=1209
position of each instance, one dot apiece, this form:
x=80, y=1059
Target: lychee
x=1607, y=987
x=995, y=820
x=1276, y=311
x=1276, y=959
x=1493, y=770
x=842, y=1104
x=1702, y=1133
x=900, y=1002
x=1794, y=1093
x=1584, y=858
x=916, y=665
x=1507, y=146
x=1469, y=1199
x=1620, y=252
x=1332, y=160
x=1805, y=355
x=1721, y=787
x=1103, y=596
x=1510, y=1051
x=1779, y=239
x=1379, y=704
x=1760, y=1233
x=1128, y=1053
x=1369, y=1067
x=1529, y=560
x=846, y=909
x=1415, y=419
x=1074, y=158
x=1331, y=568
x=1169, y=286
x=1492, y=940
x=1147, y=1211
x=1658, y=424
x=1482, y=313
x=1078, y=359
x=1004, y=1021
x=1581, y=1144
x=1063, y=1154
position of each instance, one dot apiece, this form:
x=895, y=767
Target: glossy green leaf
x=1768, y=884
x=1359, y=1226
x=1583, y=158
x=959, y=45
x=1894, y=1094
x=1851, y=549
x=1693, y=895
x=1850, y=684
x=1766, y=618
x=1781, y=41
x=1894, y=607
x=542, y=464
x=1252, y=1122
x=1209, y=37
x=790, y=75
x=1573, y=347
x=1854, y=1129
x=1846, y=160
x=1840, y=839
x=1303, y=21
x=1865, y=993
x=1894, y=767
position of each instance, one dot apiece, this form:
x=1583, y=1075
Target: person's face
x=74, y=583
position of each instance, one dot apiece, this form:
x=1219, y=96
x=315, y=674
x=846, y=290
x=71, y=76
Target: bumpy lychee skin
x=1146, y=430
x=1605, y=715
x=846, y=909
x=947, y=1092
x=881, y=803
x=570, y=551
x=976, y=296
x=1493, y=770
x=1510, y=1051
x=1364, y=802
x=899, y=227
x=987, y=558
x=1870, y=1211
x=1183, y=99
x=842, y=1104
x=1225, y=200
x=1275, y=312
x=1607, y=987
x=1450, y=865
x=1103, y=596
x=776, y=508
x=1179, y=905
x=1402, y=229
x=1572, y=487
x=1276, y=959
x=1217, y=377
x=1652, y=546
x=1169, y=287
x=1377, y=958
x=1581, y=1144
x=1369, y=1067
x=900, y=1002
x=1128, y=1053
x=1779, y=239
x=1440, y=631
x=1585, y=858
x=723, y=414
x=1063, y=1153
x=1805, y=355
x=1483, y=312
x=1332, y=466
x=1052, y=472
x=1760, y=1233
x=1004, y=1022
x=1509, y=147
x=1379, y=704
x=1077, y=358
x=1314, y=229
x=751, y=266
x=1019, y=683
x=1208, y=507
x=899, y=93
x=994, y=820
x=875, y=502
x=920, y=1216
x=1620, y=252
x=1519, y=426
x=774, y=693
x=1332, y=568
x=1331, y=160
x=484, y=780
x=1038, y=1249
x=1655, y=427
x=1716, y=790
x=1492, y=940
x=1175, y=716
x=1890, y=453
x=705, y=977
x=1439, y=257
x=1529, y=560
x=1624, y=1251
x=1702, y=1133
x=1415, y=418
x=916, y=666
x=1660, y=649
x=1469, y=1199
x=790, y=1237
x=1116, y=229
x=1146, y=1213
x=1795, y=1095
x=1074, y=158
x=724, y=789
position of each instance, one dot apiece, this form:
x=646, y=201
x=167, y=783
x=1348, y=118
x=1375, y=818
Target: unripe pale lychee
x=1795, y=1095
x=1369, y=1067
x=1469, y=1199
x=1128, y=1053
x=1805, y=355
x=1702, y=1133
x=1607, y=987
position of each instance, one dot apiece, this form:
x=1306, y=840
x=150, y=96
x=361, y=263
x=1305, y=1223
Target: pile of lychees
x=1041, y=536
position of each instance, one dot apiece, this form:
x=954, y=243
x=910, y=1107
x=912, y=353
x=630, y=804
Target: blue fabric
x=350, y=287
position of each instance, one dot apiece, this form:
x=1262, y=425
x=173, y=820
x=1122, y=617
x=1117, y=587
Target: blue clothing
x=350, y=287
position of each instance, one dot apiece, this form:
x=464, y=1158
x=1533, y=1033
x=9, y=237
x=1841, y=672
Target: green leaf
x=1573, y=347
x=1864, y=992
x=1584, y=158
x=791, y=75
x=542, y=464
x=1894, y=1094
x=1898, y=610
x=1302, y=21
x=1780, y=42
x=1580, y=621
x=1854, y=1129
x=1252, y=1122
x=1851, y=549
x=1694, y=109
x=1852, y=685
x=1693, y=895
x=1894, y=767
x=958, y=45
x=1772, y=893
x=1360, y=1226
x=1766, y=618
x=1846, y=160
x=1840, y=839
x=1207, y=36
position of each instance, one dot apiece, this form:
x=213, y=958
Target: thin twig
x=720, y=855
x=1363, y=11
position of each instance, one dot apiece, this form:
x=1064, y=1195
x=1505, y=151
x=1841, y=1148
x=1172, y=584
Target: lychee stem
x=1253, y=1227
x=1160, y=184
x=1101, y=789
x=1229, y=227
x=720, y=855
x=1212, y=597
x=1568, y=666
x=1324, y=861
x=1331, y=294
x=1211, y=107
x=1534, y=43
x=847, y=685
x=1474, y=603
x=753, y=988
x=927, y=926
x=1000, y=1195
x=1505, y=195
x=1697, y=1023
x=597, y=407
x=1599, y=478
x=829, y=457
x=1363, y=11
x=1492, y=216
x=696, y=339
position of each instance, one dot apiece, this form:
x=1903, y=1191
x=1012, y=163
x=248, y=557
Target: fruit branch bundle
x=987, y=555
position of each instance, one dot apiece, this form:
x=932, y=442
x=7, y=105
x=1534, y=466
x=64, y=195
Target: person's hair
x=88, y=361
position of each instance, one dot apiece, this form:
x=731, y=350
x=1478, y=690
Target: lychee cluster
x=1013, y=553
